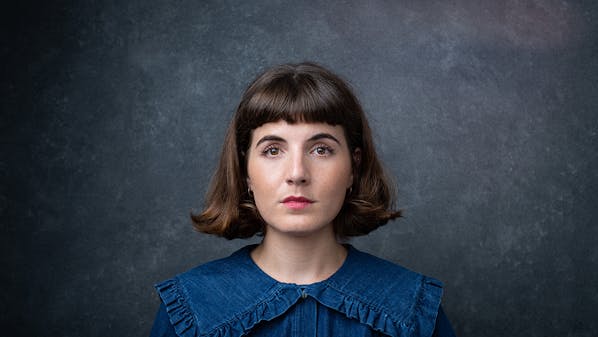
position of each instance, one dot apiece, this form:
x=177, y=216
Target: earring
x=249, y=192
x=350, y=190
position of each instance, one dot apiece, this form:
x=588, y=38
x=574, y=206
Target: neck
x=299, y=259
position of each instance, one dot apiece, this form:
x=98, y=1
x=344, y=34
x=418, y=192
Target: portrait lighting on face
x=299, y=175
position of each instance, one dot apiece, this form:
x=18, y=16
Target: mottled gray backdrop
x=113, y=114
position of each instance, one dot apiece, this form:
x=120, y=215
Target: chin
x=299, y=229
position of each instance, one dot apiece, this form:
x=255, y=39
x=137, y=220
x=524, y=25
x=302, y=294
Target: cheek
x=260, y=195
x=263, y=181
x=252, y=169
x=346, y=177
x=337, y=183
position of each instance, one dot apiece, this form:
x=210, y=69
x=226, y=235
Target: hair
x=296, y=93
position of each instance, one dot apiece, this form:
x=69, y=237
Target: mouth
x=296, y=203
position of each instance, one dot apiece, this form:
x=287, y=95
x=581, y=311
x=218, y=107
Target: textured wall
x=113, y=114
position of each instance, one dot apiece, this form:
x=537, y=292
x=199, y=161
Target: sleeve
x=443, y=327
x=162, y=326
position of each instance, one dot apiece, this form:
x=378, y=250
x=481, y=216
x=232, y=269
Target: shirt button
x=303, y=294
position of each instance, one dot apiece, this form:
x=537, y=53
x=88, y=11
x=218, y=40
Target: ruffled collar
x=383, y=295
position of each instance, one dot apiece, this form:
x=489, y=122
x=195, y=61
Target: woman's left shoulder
x=379, y=270
x=406, y=302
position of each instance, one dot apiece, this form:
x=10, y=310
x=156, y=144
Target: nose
x=298, y=172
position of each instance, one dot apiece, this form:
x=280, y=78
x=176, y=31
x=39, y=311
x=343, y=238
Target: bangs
x=303, y=93
x=295, y=99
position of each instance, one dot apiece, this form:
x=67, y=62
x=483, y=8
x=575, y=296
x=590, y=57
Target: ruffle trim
x=186, y=325
x=400, y=322
x=275, y=305
x=177, y=308
x=419, y=322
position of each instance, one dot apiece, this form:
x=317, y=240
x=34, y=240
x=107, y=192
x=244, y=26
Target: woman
x=299, y=167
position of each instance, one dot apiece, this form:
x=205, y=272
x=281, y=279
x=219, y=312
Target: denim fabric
x=367, y=296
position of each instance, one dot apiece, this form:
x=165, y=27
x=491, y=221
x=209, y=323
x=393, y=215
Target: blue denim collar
x=227, y=297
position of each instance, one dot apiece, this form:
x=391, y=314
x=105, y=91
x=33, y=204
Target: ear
x=356, y=157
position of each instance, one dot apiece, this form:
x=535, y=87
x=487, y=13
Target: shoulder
x=383, y=272
x=408, y=299
x=220, y=269
x=208, y=281
x=193, y=299
x=208, y=278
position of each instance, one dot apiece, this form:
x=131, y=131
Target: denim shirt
x=367, y=296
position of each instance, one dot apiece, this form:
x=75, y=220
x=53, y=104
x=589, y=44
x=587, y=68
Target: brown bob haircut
x=296, y=93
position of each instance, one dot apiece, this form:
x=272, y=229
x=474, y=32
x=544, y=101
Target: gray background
x=113, y=114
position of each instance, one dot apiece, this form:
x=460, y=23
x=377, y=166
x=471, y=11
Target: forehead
x=297, y=131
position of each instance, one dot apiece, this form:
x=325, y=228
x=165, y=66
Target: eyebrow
x=323, y=135
x=315, y=137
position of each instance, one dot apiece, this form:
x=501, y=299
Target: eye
x=323, y=150
x=271, y=151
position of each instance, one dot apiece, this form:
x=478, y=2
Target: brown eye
x=271, y=151
x=322, y=151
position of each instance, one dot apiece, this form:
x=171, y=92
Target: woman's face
x=299, y=175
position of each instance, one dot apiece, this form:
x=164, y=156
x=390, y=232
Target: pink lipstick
x=296, y=203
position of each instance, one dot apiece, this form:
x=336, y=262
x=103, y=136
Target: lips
x=296, y=203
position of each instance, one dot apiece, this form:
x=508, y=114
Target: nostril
x=296, y=181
